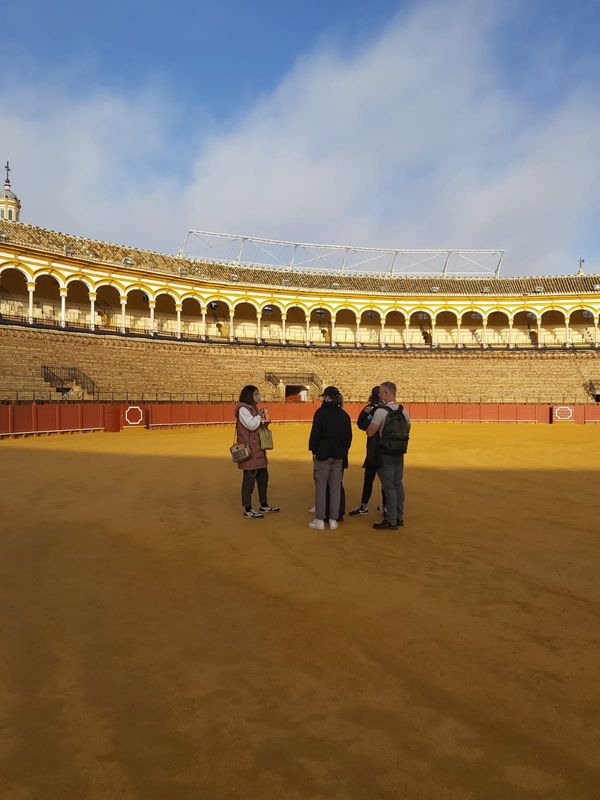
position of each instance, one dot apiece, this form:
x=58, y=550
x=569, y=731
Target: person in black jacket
x=330, y=440
x=370, y=463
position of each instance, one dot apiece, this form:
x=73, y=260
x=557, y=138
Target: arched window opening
x=271, y=324
x=78, y=311
x=14, y=298
x=191, y=318
x=108, y=308
x=46, y=299
x=344, y=334
x=137, y=312
x=245, y=322
x=165, y=315
x=320, y=327
x=395, y=329
x=295, y=325
x=217, y=320
x=446, y=329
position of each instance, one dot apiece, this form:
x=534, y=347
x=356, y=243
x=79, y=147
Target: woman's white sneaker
x=317, y=525
x=252, y=514
x=333, y=523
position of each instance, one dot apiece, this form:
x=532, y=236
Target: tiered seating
x=139, y=367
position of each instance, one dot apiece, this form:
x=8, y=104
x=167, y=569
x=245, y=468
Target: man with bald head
x=390, y=457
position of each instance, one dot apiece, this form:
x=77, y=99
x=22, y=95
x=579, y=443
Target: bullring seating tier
x=41, y=240
x=133, y=368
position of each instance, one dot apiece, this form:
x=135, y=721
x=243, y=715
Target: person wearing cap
x=329, y=442
x=370, y=464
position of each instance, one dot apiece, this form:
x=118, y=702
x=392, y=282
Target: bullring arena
x=156, y=645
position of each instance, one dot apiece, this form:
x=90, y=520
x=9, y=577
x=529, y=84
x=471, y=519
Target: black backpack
x=395, y=433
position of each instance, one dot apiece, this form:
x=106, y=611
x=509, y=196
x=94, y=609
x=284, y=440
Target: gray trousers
x=327, y=473
x=390, y=474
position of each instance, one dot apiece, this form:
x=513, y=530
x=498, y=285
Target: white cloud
x=412, y=142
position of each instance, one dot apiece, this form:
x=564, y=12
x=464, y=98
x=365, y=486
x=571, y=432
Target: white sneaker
x=317, y=525
x=333, y=523
x=312, y=510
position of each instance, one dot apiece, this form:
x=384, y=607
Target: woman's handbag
x=266, y=438
x=240, y=451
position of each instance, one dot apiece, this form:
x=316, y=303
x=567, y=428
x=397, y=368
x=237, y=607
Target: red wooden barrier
x=24, y=419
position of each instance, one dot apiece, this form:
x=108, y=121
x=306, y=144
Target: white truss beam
x=255, y=251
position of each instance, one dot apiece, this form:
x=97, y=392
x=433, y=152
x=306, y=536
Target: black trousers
x=252, y=477
x=370, y=473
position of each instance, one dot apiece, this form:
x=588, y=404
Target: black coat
x=331, y=433
x=363, y=422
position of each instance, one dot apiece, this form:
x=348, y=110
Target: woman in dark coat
x=370, y=463
x=255, y=469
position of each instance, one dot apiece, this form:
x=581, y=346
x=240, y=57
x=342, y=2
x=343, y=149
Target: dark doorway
x=296, y=394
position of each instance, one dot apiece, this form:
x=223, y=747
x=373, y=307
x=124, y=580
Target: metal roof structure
x=254, y=251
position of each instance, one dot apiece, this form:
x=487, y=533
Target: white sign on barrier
x=134, y=415
x=563, y=413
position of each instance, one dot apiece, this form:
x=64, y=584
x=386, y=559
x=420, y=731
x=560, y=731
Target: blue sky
x=470, y=123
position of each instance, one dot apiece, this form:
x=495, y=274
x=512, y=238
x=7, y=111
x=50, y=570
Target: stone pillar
x=433, y=336
x=283, y=329
x=510, y=330
x=308, y=330
x=231, y=315
x=357, y=335
x=258, y=327
x=123, y=308
x=152, y=306
x=332, y=343
x=407, y=333
x=382, y=334
x=92, y=296
x=458, y=336
x=539, y=332
x=30, y=291
x=63, y=307
x=484, y=338
x=203, y=324
x=567, y=333
x=596, y=333
x=178, y=312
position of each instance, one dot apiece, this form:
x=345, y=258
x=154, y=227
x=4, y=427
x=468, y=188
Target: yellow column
x=123, y=308
x=258, y=331
x=283, y=329
x=63, y=307
x=30, y=290
x=178, y=312
x=92, y=296
x=382, y=333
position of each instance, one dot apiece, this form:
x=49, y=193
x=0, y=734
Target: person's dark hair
x=247, y=394
x=374, y=396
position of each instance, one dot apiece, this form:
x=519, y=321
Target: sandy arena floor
x=155, y=645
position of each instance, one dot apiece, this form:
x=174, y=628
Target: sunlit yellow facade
x=74, y=283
